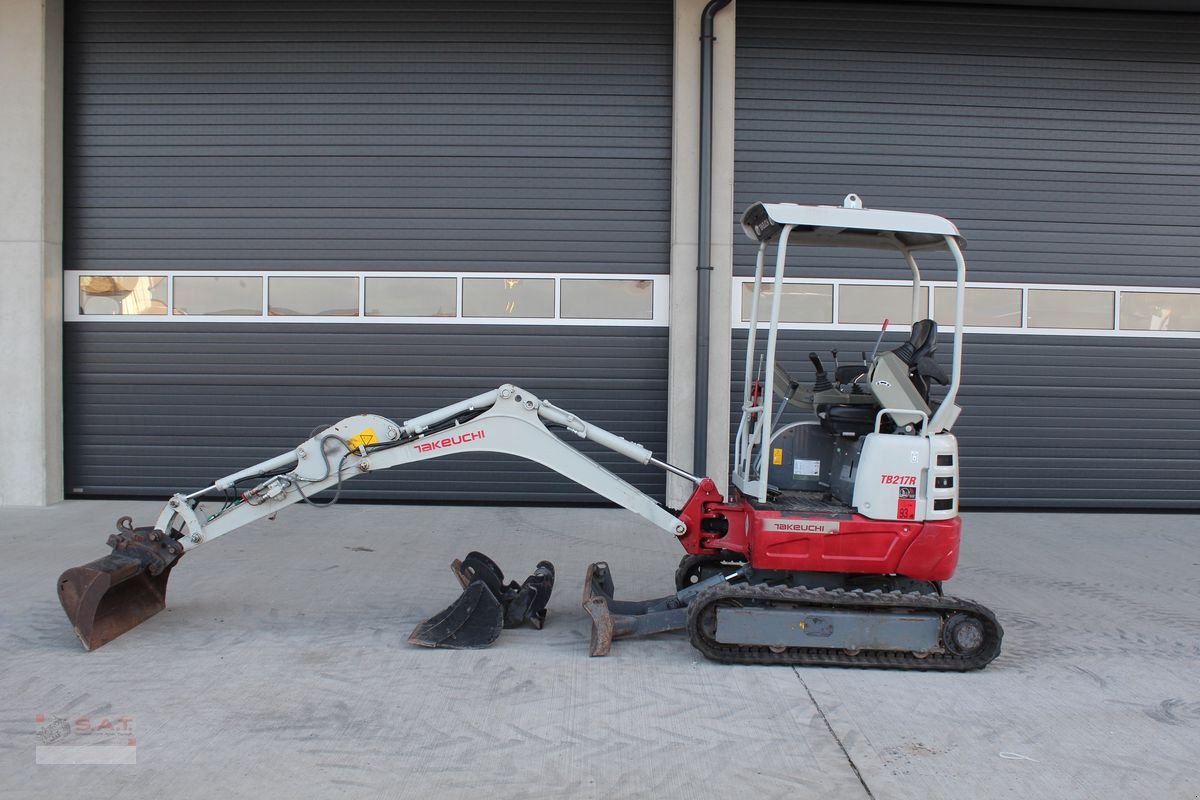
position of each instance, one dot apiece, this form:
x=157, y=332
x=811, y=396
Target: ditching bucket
x=487, y=605
x=472, y=621
x=111, y=595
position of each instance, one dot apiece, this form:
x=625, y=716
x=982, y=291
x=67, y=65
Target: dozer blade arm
x=504, y=420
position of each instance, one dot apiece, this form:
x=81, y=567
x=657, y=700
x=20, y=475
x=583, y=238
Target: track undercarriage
x=735, y=614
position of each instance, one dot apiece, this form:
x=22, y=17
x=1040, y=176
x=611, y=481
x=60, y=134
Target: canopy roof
x=849, y=225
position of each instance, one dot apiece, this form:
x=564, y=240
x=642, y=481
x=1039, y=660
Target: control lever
x=879, y=340
x=822, y=383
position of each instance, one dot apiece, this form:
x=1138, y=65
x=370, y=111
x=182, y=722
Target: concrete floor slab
x=280, y=668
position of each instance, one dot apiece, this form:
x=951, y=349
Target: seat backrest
x=922, y=343
x=918, y=353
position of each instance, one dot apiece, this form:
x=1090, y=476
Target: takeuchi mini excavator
x=830, y=548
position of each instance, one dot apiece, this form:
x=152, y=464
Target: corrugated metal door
x=528, y=136
x=1066, y=144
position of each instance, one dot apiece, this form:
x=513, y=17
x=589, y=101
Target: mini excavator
x=830, y=548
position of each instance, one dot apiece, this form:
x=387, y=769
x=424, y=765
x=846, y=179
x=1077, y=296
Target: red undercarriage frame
x=819, y=542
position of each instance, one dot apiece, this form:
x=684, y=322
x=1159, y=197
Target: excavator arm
x=109, y=596
x=504, y=420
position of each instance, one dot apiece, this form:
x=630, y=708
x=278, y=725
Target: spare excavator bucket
x=111, y=595
x=487, y=605
x=472, y=621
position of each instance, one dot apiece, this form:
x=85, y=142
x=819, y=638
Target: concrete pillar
x=31, y=90
x=721, y=252
x=685, y=181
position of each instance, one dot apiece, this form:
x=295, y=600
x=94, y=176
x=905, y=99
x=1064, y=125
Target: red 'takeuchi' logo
x=898, y=480
x=449, y=441
x=795, y=525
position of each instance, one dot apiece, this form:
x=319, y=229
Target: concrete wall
x=31, y=91
x=685, y=191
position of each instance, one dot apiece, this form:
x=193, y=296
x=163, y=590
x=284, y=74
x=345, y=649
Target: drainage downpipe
x=704, y=235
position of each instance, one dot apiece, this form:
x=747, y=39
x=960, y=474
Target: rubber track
x=817, y=599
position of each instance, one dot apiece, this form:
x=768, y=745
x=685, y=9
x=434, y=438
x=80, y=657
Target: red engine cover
x=813, y=542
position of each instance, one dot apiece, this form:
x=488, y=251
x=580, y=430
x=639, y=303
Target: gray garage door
x=1066, y=144
x=245, y=143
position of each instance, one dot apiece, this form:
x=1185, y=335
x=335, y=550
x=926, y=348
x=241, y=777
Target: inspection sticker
x=804, y=468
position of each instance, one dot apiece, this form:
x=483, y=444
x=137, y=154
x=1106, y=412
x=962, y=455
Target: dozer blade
x=616, y=619
x=472, y=621
x=109, y=596
x=597, y=593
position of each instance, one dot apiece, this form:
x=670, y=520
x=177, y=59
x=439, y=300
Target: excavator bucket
x=111, y=595
x=487, y=605
x=472, y=621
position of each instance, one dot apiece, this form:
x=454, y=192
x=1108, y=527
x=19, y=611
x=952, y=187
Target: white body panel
x=896, y=477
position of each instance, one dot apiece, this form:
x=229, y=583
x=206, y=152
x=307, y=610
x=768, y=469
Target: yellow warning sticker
x=777, y=456
x=367, y=437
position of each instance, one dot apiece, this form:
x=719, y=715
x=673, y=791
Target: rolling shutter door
x=1066, y=145
x=312, y=136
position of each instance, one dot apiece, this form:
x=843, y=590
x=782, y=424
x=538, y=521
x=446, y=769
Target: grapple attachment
x=109, y=596
x=487, y=605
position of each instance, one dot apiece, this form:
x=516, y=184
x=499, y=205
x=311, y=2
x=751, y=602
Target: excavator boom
x=109, y=596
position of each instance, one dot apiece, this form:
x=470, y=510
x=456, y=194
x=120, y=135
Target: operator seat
x=917, y=353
